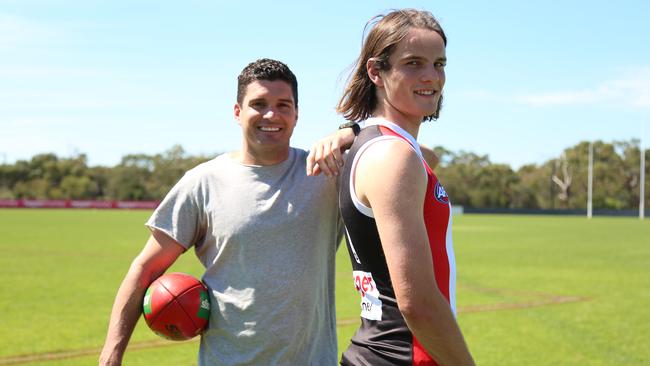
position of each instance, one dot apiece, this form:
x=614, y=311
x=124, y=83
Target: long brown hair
x=359, y=99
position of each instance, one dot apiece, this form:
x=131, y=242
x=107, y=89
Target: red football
x=177, y=306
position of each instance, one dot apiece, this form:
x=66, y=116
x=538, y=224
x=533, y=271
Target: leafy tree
x=128, y=180
x=75, y=187
x=168, y=168
x=535, y=189
x=37, y=188
x=471, y=180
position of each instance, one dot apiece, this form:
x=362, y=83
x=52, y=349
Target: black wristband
x=353, y=125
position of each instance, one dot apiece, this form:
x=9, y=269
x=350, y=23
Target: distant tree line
x=471, y=180
x=137, y=177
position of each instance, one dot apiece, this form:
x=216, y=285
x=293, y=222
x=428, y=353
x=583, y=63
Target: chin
x=426, y=112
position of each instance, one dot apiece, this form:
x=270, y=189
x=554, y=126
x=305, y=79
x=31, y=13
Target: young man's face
x=267, y=115
x=412, y=87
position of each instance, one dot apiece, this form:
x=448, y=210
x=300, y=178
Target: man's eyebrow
x=418, y=57
x=286, y=100
x=262, y=99
x=413, y=57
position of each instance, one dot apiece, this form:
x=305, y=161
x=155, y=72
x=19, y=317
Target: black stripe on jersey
x=377, y=342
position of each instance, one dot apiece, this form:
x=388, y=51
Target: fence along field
x=532, y=290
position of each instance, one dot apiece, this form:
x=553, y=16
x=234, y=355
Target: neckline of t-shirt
x=279, y=165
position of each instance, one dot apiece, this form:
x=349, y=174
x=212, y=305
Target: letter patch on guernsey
x=441, y=194
x=370, y=303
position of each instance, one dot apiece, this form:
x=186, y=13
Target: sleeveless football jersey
x=384, y=338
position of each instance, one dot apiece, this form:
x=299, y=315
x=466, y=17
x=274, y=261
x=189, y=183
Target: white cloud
x=564, y=97
x=631, y=89
x=635, y=87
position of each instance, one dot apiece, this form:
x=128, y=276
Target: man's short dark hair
x=266, y=69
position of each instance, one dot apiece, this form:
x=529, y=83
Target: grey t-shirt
x=267, y=236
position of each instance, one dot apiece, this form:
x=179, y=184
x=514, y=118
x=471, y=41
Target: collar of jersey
x=395, y=128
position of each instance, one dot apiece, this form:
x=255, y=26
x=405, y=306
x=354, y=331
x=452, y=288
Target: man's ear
x=237, y=111
x=373, y=68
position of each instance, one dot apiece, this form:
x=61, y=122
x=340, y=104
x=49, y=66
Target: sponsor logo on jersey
x=440, y=194
x=370, y=303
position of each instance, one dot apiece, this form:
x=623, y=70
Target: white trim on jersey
x=377, y=121
x=353, y=193
x=397, y=129
x=384, y=122
x=356, y=257
x=451, y=259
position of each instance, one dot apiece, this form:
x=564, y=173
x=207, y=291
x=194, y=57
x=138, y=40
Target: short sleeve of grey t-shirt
x=180, y=215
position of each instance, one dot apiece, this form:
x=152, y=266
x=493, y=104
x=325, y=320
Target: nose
x=433, y=74
x=270, y=113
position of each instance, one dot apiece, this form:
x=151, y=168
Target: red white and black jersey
x=384, y=338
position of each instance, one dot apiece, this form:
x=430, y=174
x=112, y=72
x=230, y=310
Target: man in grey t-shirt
x=265, y=232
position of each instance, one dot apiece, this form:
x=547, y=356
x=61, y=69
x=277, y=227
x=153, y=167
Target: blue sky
x=107, y=78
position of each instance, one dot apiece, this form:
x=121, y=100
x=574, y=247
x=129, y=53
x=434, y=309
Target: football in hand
x=177, y=306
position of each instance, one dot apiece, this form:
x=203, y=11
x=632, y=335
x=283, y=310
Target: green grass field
x=532, y=290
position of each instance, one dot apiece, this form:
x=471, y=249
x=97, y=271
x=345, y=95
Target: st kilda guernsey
x=384, y=338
